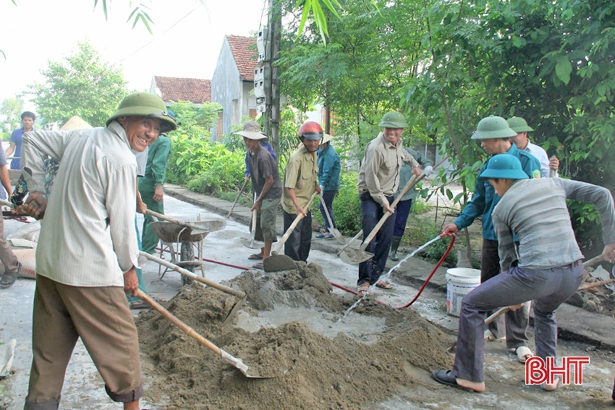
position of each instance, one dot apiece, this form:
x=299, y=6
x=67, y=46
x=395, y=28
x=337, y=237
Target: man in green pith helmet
x=548, y=165
x=90, y=253
x=378, y=182
x=494, y=135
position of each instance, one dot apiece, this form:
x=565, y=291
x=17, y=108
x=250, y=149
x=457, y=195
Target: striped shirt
x=536, y=211
x=88, y=236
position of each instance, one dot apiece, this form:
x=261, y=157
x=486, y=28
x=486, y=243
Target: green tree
x=11, y=109
x=83, y=84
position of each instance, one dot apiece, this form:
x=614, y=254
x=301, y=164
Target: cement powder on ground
x=309, y=371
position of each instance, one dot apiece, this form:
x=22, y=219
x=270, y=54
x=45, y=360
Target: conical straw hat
x=75, y=123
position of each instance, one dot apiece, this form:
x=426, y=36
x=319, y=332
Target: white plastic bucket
x=459, y=282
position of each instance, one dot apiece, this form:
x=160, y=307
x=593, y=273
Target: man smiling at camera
x=90, y=249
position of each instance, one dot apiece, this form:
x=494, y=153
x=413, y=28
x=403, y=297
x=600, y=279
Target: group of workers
x=90, y=256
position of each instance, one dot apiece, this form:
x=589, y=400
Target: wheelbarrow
x=171, y=232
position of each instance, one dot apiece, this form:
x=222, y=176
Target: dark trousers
x=328, y=197
x=371, y=212
x=548, y=288
x=401, y=217
x=512, y=324
x=299, y=242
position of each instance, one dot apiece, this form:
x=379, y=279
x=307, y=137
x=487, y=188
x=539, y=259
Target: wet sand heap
x=309, y=370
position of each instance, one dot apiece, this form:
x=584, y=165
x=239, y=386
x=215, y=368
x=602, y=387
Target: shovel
x=197, y=228
x=236, y=199
x=336, y=234
x=241, y=295
x=250, y=243
x=356, y=256
x=237, y=363
x=278, y=263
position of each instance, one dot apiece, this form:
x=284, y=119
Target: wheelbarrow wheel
x=187, y=255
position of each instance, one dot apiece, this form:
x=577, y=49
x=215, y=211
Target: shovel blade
x=241, y=366
x=338, y=236
x=252, y=244
x=278, y=263
x=355, y=256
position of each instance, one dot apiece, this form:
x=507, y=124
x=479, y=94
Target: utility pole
x=273, y=39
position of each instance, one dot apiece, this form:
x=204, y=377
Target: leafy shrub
x=204, y=166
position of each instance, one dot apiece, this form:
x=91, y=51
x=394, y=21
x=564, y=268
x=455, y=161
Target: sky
x=186, y=40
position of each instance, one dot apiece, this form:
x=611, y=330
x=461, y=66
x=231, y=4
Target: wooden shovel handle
x=164, y=217
x=497, y=314
x=409, y=185
x=292, y=227
x=254, y=213
x=173, y=319
x=596, y=284
x=236, y=199
x=191, y=275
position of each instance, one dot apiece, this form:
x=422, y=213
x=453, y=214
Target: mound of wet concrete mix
x=307, y=369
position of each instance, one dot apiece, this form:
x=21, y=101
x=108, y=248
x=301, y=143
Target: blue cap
x=504, y=166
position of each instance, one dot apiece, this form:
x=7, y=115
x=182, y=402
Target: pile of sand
x=309, y=370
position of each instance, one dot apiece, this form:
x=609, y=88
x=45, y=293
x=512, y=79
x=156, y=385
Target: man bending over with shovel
x=90, y=251
x=547, y=270
x=266, y=186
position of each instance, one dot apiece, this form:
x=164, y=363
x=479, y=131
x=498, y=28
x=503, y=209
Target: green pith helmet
x=518, y=125
x=493, y=127
x=504, y=166
x=145, y=105
x=393, y=119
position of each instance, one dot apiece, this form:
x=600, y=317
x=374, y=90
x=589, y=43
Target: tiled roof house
x=233, y=82
x=174, y=89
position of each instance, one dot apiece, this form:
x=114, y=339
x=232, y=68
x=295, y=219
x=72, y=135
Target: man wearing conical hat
x=90, y=251
x=266, y=186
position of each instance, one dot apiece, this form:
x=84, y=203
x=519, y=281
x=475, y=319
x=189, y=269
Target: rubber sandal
x=523, y=353
x=320, y=236
x=9, y=277
x=255, y=257
x=139, y=305
x=383, y=285
x=445, y=377
x=329, y=236
x=363, y=289
x=258, y=266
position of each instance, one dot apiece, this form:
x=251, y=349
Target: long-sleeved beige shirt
x=88, y=236
x=379, y=174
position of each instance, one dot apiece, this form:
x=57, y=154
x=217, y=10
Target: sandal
x=139, y=305
x=523, y=353
x=10, y=277
x=363, y=289
x=255, y=257
x=258, y=266
x=445, y=377
x=383, y=285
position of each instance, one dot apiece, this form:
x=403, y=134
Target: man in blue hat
x=494, y=134
x=547, y=267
